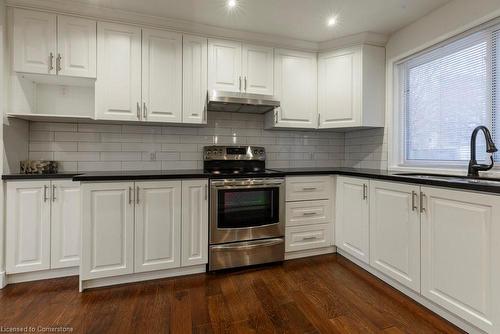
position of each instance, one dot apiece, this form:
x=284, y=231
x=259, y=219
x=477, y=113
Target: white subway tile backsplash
x=76, y=156
x=77, y=136
x=52, y=146
x=121, y=156
x=89, y=166
x=99, y=147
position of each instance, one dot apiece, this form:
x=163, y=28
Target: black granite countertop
x=198, y=173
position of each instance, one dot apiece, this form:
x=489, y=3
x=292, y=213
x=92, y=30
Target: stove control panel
x=234, y=153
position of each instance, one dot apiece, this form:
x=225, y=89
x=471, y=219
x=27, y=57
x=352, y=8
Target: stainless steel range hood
x=240, y=102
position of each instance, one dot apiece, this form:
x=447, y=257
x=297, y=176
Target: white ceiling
x=300, y=19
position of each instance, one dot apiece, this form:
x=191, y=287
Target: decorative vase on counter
x=38, y=167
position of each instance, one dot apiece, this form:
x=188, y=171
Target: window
x=445, y=93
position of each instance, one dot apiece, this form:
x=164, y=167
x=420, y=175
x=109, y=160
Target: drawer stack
x=309, y=212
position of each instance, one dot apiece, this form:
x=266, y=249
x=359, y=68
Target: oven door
x=246, y=210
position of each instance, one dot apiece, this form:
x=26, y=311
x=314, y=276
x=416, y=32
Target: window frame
x=396, y=77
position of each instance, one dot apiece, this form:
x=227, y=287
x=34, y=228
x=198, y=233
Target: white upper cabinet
x=107, y=229
x=194, y=222
x=395, y=231
x=161, y=76
x=351, y=87
x=237, y=67
x=194, y=79
x=257, y=69
x=34, y=44
x=27, y=226
x=118, y=85
x=461, y=254
x=65, y=227
x=295, y=86
x=352, y=224
x=76, y=44
x=224, y=65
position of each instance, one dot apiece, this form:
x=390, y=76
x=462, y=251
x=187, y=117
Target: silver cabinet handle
x=130, y=195
x=137, y=195
x=206, y=192
x=144, y=110
x=319, y=120
x=309, y=238
x=309, y=188
x=45, y=187
x=309, y=213
x=51, y=61
x=138, y=110
x=245, y=83
x=58, y=63
x=413, y=201
x=53, y=193
x=422, y=208
x=240, y=84
x=365, y=191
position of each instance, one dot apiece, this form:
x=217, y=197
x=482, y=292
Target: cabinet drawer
x=305, y=188
x=307, y=237
x=308, y=212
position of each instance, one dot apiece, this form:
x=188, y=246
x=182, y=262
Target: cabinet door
x=34, y=45
x=107, y=229
x=65, y=227
x=118, y=85
x=76, y=47
x=194, y=79
x=352, y=217
x=28, y=226
x=258, y=69
x=194, y=222
x=224, y=65
x=295, y=87
x=161, y=76
x=395, y=231
x=339, y=85
x=461, y=254
x=157, y=225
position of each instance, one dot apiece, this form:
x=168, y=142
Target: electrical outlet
x=152, y=156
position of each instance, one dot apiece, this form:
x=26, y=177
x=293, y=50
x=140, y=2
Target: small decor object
x=38, y=167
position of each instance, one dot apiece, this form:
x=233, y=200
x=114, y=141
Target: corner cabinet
x=43, y=225
x=135, y=227
x=351, y=91
x=45, y=43
x=352, y=224
x=295, y=83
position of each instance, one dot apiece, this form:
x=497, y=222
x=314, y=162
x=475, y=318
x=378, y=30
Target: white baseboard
x=459, y=322
x=3, y=280
x=138, y=277
x=41, y=274
x=310, y=252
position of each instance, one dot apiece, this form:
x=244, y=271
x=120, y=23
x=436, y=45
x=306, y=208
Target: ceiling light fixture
x=231, y=3
x=332, y=21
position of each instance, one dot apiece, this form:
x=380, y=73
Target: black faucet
x=474, y=167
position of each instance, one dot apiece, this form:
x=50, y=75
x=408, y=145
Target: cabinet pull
x=137, y=195
x=309, y=188
x=309, y=238
x=413, y=201
x=319, y=120
x=45, y=187
x=58, y=63
x=275, y=115
x=53, y=193
x=130, y=195
x=309, y=213
x=51, y=62
x=245, y=83
x=422, y=208
x=138, y=110
x=365, y=191
x=240, y=84
x=206, y=192
x=144, y=110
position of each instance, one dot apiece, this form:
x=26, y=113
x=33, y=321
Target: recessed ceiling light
x=332, y=21
x=231, y=3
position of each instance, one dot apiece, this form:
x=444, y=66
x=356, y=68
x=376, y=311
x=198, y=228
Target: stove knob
x=261, y=152
x=255, y=152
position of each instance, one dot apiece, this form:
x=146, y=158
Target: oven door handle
x=250, y=186
x=248, y=244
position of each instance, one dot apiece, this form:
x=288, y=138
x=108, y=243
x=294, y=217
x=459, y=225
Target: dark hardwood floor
x=325, y=294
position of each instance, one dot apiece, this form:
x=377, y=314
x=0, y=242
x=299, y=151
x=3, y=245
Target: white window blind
x=447, y=92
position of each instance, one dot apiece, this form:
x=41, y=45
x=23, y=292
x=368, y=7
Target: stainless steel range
x=247, y=206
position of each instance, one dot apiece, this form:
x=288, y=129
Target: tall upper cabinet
x=45, y=43
x=351, y=85
x=237, y=67
x=296, y=87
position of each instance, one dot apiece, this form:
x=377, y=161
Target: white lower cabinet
x=133, y=227
x=42, y=225
x=461, y=254
x=395, y=231
x=107, y=229
x=352, y=224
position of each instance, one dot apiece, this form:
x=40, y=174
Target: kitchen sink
x=452, y=178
